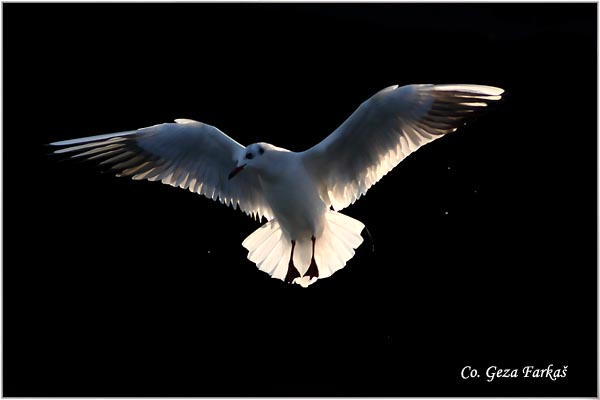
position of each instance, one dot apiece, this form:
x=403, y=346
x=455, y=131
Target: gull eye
x=261, y=151
x=249, y=156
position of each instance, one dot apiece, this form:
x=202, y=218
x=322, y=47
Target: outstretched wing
x=384, y=130
x=186, y=154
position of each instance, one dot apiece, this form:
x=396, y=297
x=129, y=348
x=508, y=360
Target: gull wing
x=186, y=154
x=384, y=130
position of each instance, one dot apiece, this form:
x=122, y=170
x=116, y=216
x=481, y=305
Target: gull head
x=253, y=157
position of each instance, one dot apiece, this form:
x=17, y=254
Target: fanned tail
x=269, y=248
x=336, y=245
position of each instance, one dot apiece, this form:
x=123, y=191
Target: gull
x=299, y=194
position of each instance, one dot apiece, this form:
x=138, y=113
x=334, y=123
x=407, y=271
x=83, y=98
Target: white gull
x=305, y=238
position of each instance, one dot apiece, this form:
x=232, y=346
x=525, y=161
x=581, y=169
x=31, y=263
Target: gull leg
x=292, y=272
x=313, y=270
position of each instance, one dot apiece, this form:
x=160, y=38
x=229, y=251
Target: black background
x=114, y=287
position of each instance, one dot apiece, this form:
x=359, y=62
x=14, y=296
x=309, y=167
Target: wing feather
x=185, y=154
x=387, y=128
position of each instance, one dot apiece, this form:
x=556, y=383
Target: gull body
x=292, y=193
x=300, y=194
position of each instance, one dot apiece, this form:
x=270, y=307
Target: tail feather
x=345, y=222
x=326, y=264
x=259, y=235
x=270, y=249
x=280, y=269
x=264, y=249
x=264, y=244
x=342, y=251
x=271, y=262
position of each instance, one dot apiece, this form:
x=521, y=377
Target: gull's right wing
x=186, y=154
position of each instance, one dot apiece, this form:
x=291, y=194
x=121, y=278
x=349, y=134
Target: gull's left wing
x=384, y=130
x=186, y=154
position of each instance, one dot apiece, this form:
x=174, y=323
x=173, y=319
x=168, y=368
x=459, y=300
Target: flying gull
x=299, y=194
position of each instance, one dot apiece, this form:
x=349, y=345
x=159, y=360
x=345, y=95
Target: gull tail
x=269, y=247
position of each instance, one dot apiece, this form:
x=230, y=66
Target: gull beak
x=235, y=171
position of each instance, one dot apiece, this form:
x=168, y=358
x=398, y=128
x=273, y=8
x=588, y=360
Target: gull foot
x=292, y=273
x=313, y=270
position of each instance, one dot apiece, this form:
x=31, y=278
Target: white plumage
x=299, y=193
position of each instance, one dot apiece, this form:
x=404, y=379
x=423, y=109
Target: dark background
x=114, y=287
